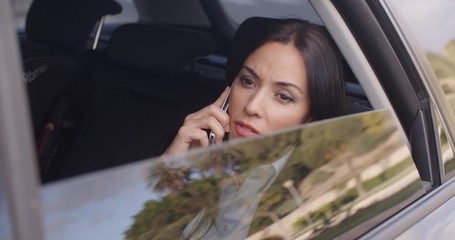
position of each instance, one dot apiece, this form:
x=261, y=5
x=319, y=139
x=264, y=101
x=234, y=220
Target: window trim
x=390, y=61
x=430, y=81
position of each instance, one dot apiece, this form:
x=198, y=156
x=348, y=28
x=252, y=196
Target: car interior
x=102, y=100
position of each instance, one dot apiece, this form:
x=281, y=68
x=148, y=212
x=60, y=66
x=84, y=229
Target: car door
x=392, y=187
x=396, y=52
x=20, y=216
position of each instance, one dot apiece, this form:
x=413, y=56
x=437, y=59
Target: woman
x=285, y=72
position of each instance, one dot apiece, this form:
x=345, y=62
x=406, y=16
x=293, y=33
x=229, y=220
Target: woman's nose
x=255, y=104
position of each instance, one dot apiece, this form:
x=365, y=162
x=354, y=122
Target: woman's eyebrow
x=251, y=71
x=279, y=83
x=288, y=84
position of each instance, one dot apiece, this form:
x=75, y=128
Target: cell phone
x=224, y=107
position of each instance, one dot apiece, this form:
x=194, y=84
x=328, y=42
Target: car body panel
x=436, y=225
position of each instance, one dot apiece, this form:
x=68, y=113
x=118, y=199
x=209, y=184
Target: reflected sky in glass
x=95, y=206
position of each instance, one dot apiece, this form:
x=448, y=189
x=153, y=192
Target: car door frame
x=375, y=35
x=17, y=154
x=399, y=79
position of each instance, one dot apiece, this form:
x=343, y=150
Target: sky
x=432, y=21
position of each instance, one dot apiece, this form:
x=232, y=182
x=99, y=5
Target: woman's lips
x=245, y=130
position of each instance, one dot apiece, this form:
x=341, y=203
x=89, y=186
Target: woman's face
x=270, y=92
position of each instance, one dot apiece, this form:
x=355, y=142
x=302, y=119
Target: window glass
x=240, y=10
x=432, y=23
x=337, y=177
x=129, y=12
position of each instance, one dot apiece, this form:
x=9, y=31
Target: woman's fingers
x=213, y=110
x=193, y=132
x=193, y=136
x=217, y=128
x=186, y=138
x=221, y=116
x=210, y=111
x=210, y=123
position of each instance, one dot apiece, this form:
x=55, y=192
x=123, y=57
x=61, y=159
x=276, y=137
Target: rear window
x=239, y=10
x=129, y=12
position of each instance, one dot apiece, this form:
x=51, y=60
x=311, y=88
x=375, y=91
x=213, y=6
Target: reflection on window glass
x=319, y=181
x=432, y=23
x=240, y=10
x=334, y=178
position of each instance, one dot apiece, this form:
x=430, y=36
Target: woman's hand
x=193, y=131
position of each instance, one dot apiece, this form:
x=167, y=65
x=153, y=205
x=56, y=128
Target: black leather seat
x=54, y=59
x=139, y=96
x=53, y=52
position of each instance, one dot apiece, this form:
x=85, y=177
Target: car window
x=129, y=12
x=337, y=177
x=240, y=10
x=431, y=23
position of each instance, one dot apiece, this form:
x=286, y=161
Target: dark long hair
x=323, y=61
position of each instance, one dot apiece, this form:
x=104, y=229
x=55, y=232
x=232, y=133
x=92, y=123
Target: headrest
x=248, y=36
x=66, y=24
x=162, y=49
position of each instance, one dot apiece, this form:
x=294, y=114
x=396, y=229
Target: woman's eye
x=246, y=81
x=285, y=98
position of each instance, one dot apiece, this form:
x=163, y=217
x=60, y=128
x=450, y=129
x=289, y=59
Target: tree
x=166, y=178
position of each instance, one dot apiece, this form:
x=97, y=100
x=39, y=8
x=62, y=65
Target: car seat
x=138, y=97
x=54, y=57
